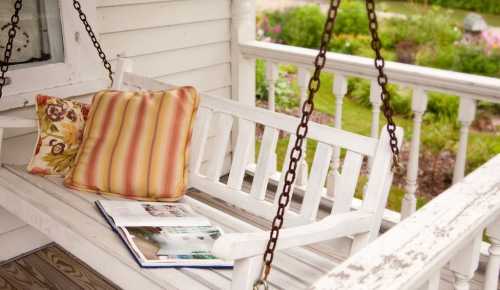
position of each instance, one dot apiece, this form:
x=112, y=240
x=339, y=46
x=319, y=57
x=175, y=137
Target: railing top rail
x=409, y=253
x=461, y=84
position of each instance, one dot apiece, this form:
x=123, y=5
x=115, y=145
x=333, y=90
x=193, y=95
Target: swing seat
x=314, y=237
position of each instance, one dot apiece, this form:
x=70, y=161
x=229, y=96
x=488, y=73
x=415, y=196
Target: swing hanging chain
x=93, y=38
x=296, y=152
x=307, y=109
x=385, y=96
x=4, y=65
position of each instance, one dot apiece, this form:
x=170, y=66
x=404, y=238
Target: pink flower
x=491, y=38
x=277, y=29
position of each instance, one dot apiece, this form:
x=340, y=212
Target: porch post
x=243, y=68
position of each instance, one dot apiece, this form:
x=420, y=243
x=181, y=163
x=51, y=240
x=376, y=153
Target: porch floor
x=50, y=267
x=294, y=269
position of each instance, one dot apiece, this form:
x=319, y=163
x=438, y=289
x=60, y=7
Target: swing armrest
x=237, y=246
x=7, y=122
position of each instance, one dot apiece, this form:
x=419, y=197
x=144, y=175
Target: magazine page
x=174, y=246
x=154, y=214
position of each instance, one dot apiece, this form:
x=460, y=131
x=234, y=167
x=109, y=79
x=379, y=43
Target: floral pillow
x=60, y=131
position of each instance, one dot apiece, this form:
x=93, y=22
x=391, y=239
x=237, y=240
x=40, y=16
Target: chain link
x=296, y=152
x=4, y=65
x=385, y=96
x=93, y=38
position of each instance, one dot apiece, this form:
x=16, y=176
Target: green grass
x=436, y=136
x=408, y=8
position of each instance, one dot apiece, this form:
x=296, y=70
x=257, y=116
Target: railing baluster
x=303, y=81
x=339, y=90
x=493, y=268
x=375, y=92
x=418, y=106
x=466, y=115
x=465, y=263
x=272, y=75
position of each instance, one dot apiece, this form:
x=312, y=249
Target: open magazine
x=162, y=234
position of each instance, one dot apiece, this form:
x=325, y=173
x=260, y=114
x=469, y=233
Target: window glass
x=39, y=36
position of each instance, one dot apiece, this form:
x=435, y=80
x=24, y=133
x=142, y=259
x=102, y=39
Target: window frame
x=78, y=66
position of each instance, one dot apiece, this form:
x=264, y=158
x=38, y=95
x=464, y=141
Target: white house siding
x=182, y=42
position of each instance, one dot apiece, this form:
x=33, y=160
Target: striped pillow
x=135, y=144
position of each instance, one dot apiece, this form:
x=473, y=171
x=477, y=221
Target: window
x=39, y=38
x=52, y=53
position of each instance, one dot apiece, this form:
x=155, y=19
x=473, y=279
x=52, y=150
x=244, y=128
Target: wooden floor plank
x=47, y=274
x=20, y=278
x=5, y=285
x=73, y=269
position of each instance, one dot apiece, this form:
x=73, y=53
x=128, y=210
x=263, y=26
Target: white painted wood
x=339, y=90
x=375, y=100
x=493, y=266
x=246, y=272
x=123, y=65
x=426, y=241
x=199, y=139
x=303, y=77
x=466, y=114
x=433, y=283
x=286, y=162
x=266, y=163
x=240, y=155
x=160, y=14
x=430, y=79
x=272, y=75
x=20, y=241
x=316, y=182
x=156, y=39
x=346, y=185
x=325, y=134
x=9, y=222
x=237, y=246
x=223, y=124
x=419, y=105
x=465, y=263
x=243, y=25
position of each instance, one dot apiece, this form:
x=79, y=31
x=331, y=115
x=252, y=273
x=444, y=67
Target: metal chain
x=4, y=65
x=296, y=153
x=93, y=38
x=385, y=96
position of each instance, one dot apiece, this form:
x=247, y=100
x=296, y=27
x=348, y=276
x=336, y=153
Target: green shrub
x=285, y=91
x=441, y=106
x=461, y=58
x=302, y=26
x=352, y=18
x=487, y=6
x=433, y=28
x=260, y=80
x=359, y=91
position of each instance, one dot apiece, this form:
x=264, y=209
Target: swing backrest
x=222, y=124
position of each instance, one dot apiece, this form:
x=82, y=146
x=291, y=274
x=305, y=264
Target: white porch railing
x=469, y=88
x=446, y=233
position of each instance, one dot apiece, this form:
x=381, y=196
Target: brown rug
x=50, y=267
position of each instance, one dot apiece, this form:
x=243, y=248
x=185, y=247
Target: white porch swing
x=69, y=217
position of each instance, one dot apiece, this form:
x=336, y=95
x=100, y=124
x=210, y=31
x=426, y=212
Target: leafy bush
x=301, y=26
x=433, y=28
x=285, y=92
x=260, y=80
x=488, y=6
x=352, y=18
x=461, y=58
x=359, y=90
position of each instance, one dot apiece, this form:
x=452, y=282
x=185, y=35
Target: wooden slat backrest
x=218, y=119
